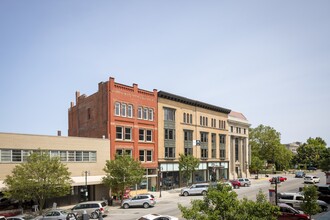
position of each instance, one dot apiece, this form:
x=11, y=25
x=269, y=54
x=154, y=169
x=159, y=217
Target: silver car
x=244, y=181
x=195, y=189
x=141, y=200
x=55, y=214
x=92, y=208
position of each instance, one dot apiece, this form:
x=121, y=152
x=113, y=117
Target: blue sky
x=269, y=60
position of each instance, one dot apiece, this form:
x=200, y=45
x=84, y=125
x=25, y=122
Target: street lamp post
x=86, y=173
x=160, y=181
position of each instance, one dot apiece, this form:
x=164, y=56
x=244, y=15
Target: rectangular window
x=187, y=135
x=123, y=110
x=140, y=112
x=71, y=156
x=204, y=137
x=187, y=151
x=63, y=156
x=145, y=114
x=78, y=155
x=117, y=109
x=169, y=114
x=85, y=156
x=141, y=134
x=222, y=139
x=26, y=154
x=151, y=114
x=169, y=152
x=130, y=111
x=16, y=155
x=54, y=153
x=93, y=156
x=141, y=155
x=149, y=155
x=128, y=134
x=200, y=120
x=204, y=153
x=89, y=114
x=222, y=154
x=119, y=133
x=149, y=136
x=169, y=134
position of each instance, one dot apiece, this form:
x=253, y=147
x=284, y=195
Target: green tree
x=40, y=178
x=265, y=143
x=325, y=161
x=256, y=164
x=259, y=209
x=221, y=203
x=311, y=152
x=309, y=205
x=187, y=166
x=122, y=172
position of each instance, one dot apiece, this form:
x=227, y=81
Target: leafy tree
x=264, y=141
x=266, y=144
x=122, y=172
x=311, y=152
x=325, y=161
x=259, y=209
x=187, y=166
x=40, y=178
x=221, y=203
x=309, y=205
x=256, y=164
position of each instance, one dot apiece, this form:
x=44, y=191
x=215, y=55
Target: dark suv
x=324, y=192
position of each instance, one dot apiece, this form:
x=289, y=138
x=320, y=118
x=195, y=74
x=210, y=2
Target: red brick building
x=127, y=116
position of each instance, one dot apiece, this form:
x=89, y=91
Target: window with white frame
x=124, y=151
x=123, y=109
x=151, y=114
x=145, y=135
x=130, y=111
x=140, y=112
x=117, y=108
x=141, y=135
x=145, y=113
x=123, y=133
x=149, y=155
x=119, y=132
x=128, y=133
x=149, y=135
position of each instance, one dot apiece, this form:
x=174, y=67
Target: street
x=168, y=203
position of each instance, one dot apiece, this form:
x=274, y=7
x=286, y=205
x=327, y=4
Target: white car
x=157, y=217
x=311, y=179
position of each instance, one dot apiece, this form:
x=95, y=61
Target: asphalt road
x=168, y=202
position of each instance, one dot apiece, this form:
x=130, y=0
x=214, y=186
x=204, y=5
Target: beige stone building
x=84, y=157
x=187, y=126
x=240, y=152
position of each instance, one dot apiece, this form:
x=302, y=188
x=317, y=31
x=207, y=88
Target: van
x=90, y=207
x=195, y=189
x=296, y=199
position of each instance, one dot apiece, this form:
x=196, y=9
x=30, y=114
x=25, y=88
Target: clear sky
x=269, y=59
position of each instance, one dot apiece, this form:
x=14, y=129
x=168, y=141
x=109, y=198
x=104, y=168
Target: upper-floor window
x=145, y=113
x=203, y=121
x=169, y=134
x=204, y=137
x=151, y=114
x=145, y=155
x=124, y=151
x=231, y=128
x=140, y=112
x=187, y=118
x=123, y=109
x=130, y=111
x=123, y=133
x=89, y=113
x=169, y=114
x=117, y=108
x=222, y=139
x=145, y=135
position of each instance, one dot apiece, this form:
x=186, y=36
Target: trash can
x=153, y=189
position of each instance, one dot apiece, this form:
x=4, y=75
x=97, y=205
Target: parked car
x=141, y=200
x=21, y=217
x=195, y=189
x=288, y=212
x=244, y=181
x=91, y=207
x=311, y=168
x=311, y=179
x=324, y=192
x=300, y=174
x=56, y=214
x=278, y=178
x=157, y=217
x=236, y=184
x=296, y=199
x=2, y=217
x=227, y=183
